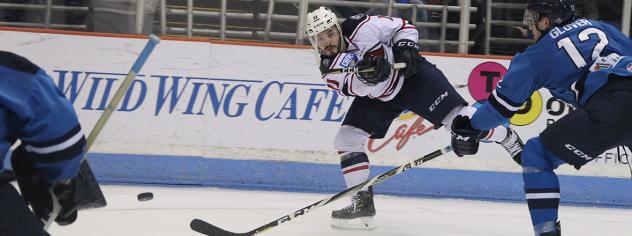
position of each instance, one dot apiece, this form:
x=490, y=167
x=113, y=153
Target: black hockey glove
x=373, y=70
x=465, y=139
x=407, y=51
x=71, y=195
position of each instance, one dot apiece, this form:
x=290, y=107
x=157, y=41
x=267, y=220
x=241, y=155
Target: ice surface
x=172, y=208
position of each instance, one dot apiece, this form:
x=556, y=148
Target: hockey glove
x=42, y=195
x=407, y=51
x=465, y=139
x=373, y=70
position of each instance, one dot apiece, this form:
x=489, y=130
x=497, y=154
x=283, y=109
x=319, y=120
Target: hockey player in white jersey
x=356, y=59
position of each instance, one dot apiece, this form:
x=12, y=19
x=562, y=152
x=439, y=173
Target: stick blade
x=205, y=228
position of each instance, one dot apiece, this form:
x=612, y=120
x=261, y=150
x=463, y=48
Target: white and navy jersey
x=34, y=111
x=367, y=36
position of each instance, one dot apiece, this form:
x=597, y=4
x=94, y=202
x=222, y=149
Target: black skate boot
x=358, y=215
x=557, y=232
x=513, y=144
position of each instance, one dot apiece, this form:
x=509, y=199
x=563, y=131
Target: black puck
x=145, y=196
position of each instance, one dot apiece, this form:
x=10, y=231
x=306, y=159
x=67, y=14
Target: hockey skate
x=557, y=232
x=513, y=144
x=357, y=216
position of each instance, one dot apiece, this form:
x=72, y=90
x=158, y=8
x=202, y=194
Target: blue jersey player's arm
x=512, y=91
x=41, y=117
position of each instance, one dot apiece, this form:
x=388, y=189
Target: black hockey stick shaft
x=399, y=65
x=206, y=228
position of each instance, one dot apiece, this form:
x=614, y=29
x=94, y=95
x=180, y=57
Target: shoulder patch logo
x=325, y=62
x=349, y=60
x=357, y=17
x=629, y=67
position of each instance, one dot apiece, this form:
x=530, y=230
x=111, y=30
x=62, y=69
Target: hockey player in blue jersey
x=47, y=163
x=578, y=61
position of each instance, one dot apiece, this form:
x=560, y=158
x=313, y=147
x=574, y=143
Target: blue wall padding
x=326, y=178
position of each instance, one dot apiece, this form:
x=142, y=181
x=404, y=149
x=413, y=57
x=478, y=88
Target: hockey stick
x=206, y=228
x=458, y=86
x=140, y=61
x=85, y=171
x=396, y=66
x=399, y=65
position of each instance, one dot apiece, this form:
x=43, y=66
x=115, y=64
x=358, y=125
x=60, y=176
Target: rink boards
x=258, y=116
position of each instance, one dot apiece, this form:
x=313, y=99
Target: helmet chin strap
x=542, y=32
x=342, y=47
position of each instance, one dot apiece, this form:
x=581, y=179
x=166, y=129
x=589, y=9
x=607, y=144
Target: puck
x=145, y=196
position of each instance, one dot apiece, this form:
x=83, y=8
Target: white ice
x=171, y=210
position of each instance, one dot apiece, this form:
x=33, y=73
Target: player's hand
x=65, y=194
x=42, y=195
x=407, y=51
x=373, y=70
x=465, y=139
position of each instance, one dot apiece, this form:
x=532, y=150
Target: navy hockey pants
x=16, y=219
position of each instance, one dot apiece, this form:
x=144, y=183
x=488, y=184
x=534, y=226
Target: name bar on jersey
x=557, y=31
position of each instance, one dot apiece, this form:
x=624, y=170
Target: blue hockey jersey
x=559, y=62
x=34, y=111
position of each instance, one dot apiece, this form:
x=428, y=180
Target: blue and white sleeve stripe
x=503, y=105
x=68, y=146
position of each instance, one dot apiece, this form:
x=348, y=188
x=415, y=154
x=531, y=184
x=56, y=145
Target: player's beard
x=331, y=50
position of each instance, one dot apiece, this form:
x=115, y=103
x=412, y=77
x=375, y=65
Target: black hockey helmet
x=558, y=11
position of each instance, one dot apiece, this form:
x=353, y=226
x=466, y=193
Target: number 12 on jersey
x=573, y=52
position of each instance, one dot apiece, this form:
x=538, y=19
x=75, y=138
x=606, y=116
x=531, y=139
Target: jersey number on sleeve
x=573, y=53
